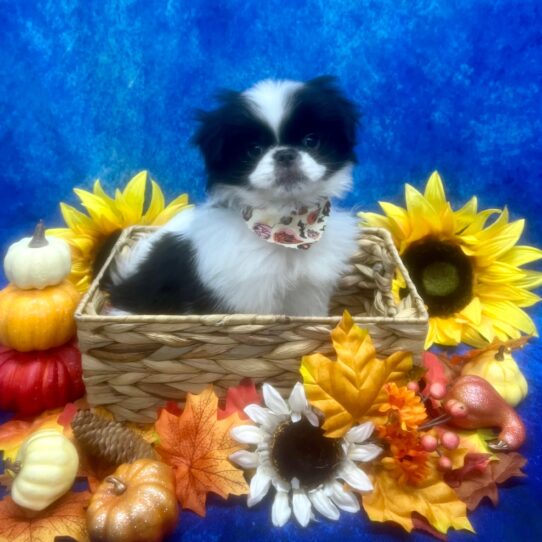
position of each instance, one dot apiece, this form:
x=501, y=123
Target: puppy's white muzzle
x=285, y=168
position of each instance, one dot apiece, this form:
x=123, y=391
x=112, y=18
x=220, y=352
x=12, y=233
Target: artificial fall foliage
x=197, y=445
x=66, y=517
x=483, y=483
x=345, y=390
x=14, y=432
x=421, y=524
x=433, y=499
x=238, y=397
x=473, y=463
x=476, y=441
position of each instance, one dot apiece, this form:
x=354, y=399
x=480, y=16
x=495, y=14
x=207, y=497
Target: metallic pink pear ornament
x=473, y=403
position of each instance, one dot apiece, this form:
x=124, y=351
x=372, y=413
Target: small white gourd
x=38, y=261
x=45, y=469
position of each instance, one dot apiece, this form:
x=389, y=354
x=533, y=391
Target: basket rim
x=242, y=319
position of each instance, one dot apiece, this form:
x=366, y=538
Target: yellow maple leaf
x=66, y=517
x=475, y=441
x=433, y=499
x=197, y=445
x=345, y=390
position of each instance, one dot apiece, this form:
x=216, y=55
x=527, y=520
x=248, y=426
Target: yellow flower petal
x=86, y=233
x=498, y=272
x=133, y=197
x=434, y=192
x=432, y=334
x=530, y=280
x=156, y=206
x=478, y=223
x=465, y=215
x=76, y=220
x=509, y=313
x=472, y=312
x=103, y=216
x=521, y=255
x=508, y=292
x=169, y=212
x=494, y=246
x=424, y=218
x=374, y=220
x=99, y=191
x=398, y=217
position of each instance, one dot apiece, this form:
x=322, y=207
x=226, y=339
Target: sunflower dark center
x=301, y=451
x=442, y=274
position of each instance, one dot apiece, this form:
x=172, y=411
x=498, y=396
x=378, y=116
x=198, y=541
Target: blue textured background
x=104, y=89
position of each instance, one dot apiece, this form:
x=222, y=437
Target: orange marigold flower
x=408, y=458
x=404, y=406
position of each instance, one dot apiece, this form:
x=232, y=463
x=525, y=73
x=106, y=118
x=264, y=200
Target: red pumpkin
x=31, y=382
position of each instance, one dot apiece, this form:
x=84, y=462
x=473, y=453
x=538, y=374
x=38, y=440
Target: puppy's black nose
x=285, y=157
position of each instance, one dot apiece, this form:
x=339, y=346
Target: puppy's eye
x=254, y=151
x=311, y=141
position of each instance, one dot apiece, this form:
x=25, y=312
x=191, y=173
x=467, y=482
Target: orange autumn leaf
x=346, y=389
x=197, y=445
x=433, y=499
x=13, y=432
x=66, y=517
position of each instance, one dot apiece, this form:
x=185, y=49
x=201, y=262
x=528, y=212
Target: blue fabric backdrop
x=104, y=89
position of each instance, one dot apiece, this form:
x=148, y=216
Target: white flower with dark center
x=305, y=467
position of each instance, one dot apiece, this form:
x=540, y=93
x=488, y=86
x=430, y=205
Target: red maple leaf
x=238, y=397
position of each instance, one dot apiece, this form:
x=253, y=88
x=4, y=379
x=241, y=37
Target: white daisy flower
x=303, y=466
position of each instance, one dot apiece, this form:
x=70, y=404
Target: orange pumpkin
x=37, y=319
x=136, y=504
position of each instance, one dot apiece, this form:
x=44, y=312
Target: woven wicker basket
x=134, y=364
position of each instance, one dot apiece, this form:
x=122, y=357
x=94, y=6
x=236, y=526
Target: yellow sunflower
x=91, y=236
x=467, y=272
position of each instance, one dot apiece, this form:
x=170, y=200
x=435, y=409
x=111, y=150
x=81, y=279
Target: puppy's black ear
x=211, y=134
x=331, y=96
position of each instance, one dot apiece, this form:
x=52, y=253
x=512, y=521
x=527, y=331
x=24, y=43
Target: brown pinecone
x=109, y=441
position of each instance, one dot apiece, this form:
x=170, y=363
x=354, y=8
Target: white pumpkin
x=45, y=469
x=38, y=261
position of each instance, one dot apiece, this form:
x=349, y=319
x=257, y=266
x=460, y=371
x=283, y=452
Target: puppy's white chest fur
x=250, y=275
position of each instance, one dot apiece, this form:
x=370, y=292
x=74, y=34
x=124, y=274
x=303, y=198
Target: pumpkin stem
x=13, y=466
x=38, y=239
x=119, y=487
x=499, y=356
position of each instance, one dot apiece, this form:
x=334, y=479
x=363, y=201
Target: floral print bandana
x=300, y=228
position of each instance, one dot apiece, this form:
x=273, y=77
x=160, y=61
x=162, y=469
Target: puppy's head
x=280, y=140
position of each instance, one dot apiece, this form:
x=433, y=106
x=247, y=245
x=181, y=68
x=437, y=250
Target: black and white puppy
x=267, y=240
